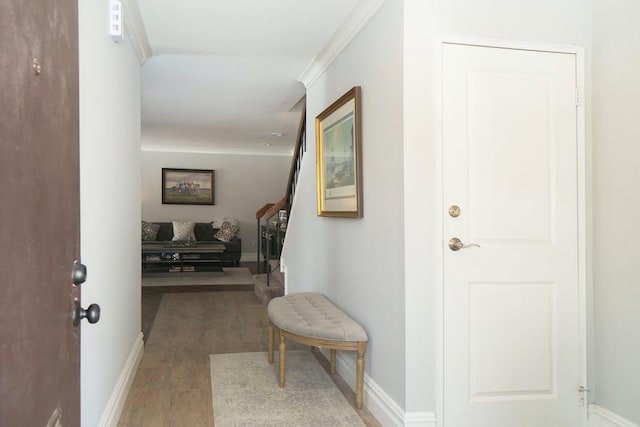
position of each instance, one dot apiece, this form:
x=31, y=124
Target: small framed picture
x=188, y=187
x=339, y=157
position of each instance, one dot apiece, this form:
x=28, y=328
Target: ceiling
x=223, y=76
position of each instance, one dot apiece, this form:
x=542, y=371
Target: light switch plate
x=116, y=29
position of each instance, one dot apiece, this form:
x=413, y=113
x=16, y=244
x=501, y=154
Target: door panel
x=511, y=306
x=511, y=321
x=39, y=212
x=517, y=154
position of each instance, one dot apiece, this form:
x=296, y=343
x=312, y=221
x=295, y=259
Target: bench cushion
x=312, y=314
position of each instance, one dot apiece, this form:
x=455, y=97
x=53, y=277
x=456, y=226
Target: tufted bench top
x=312, y=314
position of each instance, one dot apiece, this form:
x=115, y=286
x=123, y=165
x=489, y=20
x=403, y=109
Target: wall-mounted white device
x=116, y=22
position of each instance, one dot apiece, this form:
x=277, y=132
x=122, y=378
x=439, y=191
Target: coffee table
x=164, y=257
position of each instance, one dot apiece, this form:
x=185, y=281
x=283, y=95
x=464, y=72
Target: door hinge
x=582, y=396
x=579, y=97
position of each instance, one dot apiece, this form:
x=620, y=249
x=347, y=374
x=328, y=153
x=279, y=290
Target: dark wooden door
x=39, y=212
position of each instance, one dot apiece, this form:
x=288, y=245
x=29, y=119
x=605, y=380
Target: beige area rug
x=246, y=393
x=230, y=276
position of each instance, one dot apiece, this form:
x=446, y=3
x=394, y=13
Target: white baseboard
x=420, y=419
x=601, y=417
x=377, y=401
x=112, y=412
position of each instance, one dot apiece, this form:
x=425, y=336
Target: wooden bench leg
x=333, y=361
x=270, y=343
x=360, y=377
x=282, y=351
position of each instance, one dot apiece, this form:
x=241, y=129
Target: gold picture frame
x=339, y=157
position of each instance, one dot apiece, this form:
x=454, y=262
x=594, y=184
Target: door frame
x=583, y=268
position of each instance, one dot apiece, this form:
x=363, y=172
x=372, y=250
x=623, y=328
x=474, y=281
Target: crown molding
x=134, y=28
x=203, y=150
x=353, y=23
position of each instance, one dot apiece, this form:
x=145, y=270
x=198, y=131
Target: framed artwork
x=339, y=157
x=188, y=187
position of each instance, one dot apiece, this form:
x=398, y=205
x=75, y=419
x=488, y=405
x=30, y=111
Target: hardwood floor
x=172, y=386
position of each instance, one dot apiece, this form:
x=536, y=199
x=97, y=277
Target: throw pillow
x=227, y=232
x=150, y=230
x=183, y=230
x=217, y=223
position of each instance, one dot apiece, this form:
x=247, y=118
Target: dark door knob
x=92, y=313
x=79, y=274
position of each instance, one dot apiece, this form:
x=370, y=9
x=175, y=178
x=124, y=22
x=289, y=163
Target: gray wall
x=243, y=184
x=358, y=263
x=616, y=205
x=110, y=205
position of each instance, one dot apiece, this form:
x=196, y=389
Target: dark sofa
x=204, y=234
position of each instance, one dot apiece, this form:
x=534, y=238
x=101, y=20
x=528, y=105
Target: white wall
x=243, y=184
x=358, y=263
x=110, y=205
x=616, y=200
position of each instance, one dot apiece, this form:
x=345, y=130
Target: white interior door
x=511, y=305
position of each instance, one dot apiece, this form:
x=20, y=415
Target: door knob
x=92, y=313
x=456, y=244
x=79, y=273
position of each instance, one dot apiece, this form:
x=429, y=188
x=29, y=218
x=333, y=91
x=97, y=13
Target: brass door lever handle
x=456, y=244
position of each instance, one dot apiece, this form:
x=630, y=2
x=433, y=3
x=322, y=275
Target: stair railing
x=296, y=161
x=273, y=229
x=270, y=209
x=259, y=214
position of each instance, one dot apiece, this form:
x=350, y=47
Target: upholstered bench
x=310, y=318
